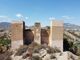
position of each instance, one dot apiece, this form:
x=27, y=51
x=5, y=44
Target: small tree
x=76, y=48
x=4, y=43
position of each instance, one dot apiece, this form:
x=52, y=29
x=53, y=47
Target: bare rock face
x=46, y=57
x=39, y=52
x=66, y=56
x=16, y=57
x=42, y=52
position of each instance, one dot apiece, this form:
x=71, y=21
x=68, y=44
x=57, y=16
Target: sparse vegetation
x=27, y=50
x=21, y=50
x=6, y=55
x=36, y=58
x=53, y=57
x=76, y=48
x=73, y=47
x=4, y=43
x=32, y=49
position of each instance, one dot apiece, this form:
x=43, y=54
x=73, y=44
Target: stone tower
x=56, y=34
x=37, y=33
x=17, y=29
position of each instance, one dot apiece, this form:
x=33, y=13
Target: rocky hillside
x=71, y=26
x=37, y=52
x=41, y=52
x=4, y=25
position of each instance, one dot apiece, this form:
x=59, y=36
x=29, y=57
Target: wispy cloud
x=19, y=15
x=67, y=17
x=52, y=18
x=5, y=19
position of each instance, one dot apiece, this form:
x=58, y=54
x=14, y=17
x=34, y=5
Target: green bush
x=76, y=48
x=4, y=40
x=5, y=43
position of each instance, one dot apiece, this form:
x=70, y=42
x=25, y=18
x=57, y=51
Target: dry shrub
x=21, y=50
x=6, y=55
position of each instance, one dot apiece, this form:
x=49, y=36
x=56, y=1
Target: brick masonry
x=53, y=36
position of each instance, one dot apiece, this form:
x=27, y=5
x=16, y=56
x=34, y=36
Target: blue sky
x=40, y=10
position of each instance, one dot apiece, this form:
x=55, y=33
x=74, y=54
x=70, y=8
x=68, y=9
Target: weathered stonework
x=17, y=29
x=56, y=34
x=37, y=33
x=53, y=36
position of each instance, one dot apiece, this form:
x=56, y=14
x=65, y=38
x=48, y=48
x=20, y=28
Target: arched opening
x=44, y=36
x=28, y=37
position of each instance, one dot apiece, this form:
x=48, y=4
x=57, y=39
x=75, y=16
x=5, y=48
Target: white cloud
x=19, y=15
x=67, y=17
x=4, y=17
x=52, y=18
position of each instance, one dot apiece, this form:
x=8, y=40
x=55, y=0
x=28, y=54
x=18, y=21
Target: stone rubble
x=46, y=56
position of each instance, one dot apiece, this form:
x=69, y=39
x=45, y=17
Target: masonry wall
x=56, y=34
x=52, y=37
x=37, y=33
x=44, y=36
x=17, y=29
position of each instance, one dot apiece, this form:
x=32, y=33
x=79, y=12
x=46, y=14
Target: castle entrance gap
x=44, y=37
x=28, y=37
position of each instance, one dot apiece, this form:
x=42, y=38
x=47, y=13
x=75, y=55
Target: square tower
x=37, y=33
x=56, y=34
x=17, y=29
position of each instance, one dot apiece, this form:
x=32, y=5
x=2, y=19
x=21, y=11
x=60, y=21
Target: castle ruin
x=56, y=34
x=52, y=37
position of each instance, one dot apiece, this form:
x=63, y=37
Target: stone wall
x=44, y=36
x=17, y=29
x=37, y=33
x=56, y=34
x=52, y=37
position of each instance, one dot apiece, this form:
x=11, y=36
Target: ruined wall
x=53, y=36
x=17, y=29
x=37, y=33
x=44, y=36
x=56, y=34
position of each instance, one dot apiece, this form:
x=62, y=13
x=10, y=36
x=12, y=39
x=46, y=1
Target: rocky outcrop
x=36, y=52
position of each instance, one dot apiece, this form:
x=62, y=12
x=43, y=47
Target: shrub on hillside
x=4, y=43
x=6, y=55
x=36, y=58
x=21, y=50
x=76, y=48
